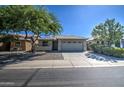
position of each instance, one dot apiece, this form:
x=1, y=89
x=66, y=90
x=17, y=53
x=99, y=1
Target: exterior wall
x=1, y=46
x=28, y=46
x=24, y=46
x=85, y=45
x=19, y=48
x=59, y=45
x=39, y=46
x=90, y=42
x=4, y=46
x=60, y=42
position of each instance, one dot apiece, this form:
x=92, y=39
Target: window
x=45, y=43
x=18, y=44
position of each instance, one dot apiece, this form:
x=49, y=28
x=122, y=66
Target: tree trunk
x=26, y=34
x=33, y=47
x=33, y=44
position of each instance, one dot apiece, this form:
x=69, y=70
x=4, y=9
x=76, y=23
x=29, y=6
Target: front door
x=55, y=45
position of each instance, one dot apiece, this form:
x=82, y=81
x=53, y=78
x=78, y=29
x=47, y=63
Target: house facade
x=54, y=43
x=91, y=41
x=62, y=43
x=21, y=45
x=16, y=45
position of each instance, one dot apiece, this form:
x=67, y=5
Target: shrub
x=116, y=52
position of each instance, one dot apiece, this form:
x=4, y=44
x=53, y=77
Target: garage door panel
x=72, y=47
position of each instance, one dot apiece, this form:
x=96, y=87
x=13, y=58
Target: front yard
x=57, y=60
x=103, y=58
x=99, y=59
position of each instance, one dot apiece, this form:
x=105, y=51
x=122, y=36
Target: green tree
x=34, y=19
x=109, y=32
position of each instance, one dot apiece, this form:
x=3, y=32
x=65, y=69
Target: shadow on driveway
x=15, y=58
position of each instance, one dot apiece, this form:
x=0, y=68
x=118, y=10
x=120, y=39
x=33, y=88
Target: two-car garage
x=63, y=44
x=72, y=45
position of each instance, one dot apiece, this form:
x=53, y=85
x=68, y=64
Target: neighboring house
x=94, y=41
x=20, y=45
x=4, y=46
x=56, y=43
x=62, y=43
x=91, y=41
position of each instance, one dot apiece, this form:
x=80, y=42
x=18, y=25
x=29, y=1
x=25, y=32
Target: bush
x=116, y=52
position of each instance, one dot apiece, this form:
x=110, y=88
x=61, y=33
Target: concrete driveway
x=66, y=60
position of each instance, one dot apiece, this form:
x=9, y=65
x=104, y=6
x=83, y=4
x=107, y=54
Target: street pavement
x=63, y=77
x=62, y=70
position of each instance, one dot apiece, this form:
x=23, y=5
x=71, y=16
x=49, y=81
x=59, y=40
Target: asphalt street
x=63, y=77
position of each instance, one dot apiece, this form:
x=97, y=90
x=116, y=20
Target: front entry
x=55, y=45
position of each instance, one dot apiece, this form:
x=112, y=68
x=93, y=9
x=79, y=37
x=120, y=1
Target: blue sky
x=80, y=20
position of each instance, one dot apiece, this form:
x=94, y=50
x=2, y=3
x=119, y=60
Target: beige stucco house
x=20, y=44
x=51, y=43
x=62, y=43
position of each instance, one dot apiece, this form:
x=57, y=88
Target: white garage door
x=72, y=46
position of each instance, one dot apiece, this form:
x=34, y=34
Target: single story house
x=21, y=45
x=17, y=45
x=51, y=43
x=91, y=41
x=62, y=43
